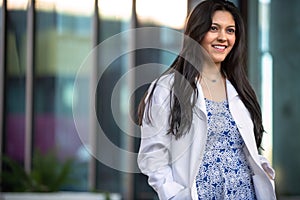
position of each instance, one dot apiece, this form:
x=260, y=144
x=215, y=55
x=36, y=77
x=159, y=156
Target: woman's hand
x=267, y=167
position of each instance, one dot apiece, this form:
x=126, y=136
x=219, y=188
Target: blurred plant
x=48, y=174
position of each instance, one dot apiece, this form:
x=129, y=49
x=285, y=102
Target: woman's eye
x=231, y=30
x=213, y=28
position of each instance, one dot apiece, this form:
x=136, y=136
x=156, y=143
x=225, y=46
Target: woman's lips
x=219, y=47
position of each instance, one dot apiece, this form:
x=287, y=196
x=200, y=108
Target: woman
x=201, y=123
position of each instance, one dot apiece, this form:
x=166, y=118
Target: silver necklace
x=209, y=92
x=212, y=80
x=208, y=89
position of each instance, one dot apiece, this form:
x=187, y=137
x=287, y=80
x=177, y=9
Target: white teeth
x=219, y=47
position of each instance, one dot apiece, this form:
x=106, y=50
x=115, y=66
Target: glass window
x=169, y=13
x=15, y=79
x=114, y=18
x=62, y=41
x=284, y=53
x=274, y=72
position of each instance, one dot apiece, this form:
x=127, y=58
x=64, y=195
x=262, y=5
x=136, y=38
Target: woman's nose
x=222, y=36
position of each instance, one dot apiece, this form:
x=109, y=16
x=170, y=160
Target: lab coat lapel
x=242, y=119
x=200, y=102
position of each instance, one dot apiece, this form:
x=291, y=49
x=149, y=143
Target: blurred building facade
x=45, y=43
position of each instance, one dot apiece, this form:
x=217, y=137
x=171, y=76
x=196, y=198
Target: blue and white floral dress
x=224, y=173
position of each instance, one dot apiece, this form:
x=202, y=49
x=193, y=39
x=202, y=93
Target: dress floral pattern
x=224, y=173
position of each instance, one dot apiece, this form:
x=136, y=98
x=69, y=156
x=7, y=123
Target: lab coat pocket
x=259, y=188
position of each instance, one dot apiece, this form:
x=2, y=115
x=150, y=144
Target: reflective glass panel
x=115, y=17
x=169, y=13
x=284, y=53
x=14, y=102
x=16, y=34
x=62, y=41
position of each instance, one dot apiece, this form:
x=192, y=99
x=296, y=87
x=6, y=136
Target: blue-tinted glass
x=62, y=41
x=113, y=20
x=285, y=50
x=14, y=98
x=16, y=34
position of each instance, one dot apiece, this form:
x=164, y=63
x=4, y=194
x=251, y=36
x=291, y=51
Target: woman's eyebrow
x=231, y=26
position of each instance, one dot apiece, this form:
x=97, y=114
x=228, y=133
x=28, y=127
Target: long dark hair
x=234, y=67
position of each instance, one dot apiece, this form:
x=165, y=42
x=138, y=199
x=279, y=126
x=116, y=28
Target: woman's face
x=220, y=38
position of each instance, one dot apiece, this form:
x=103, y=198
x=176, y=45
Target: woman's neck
x=212, y=71
x=213, y=83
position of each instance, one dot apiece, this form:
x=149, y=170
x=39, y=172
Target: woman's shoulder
x=165, y=81
x=161, y=88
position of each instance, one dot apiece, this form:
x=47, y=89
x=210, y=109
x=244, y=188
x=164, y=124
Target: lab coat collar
x=231, y=91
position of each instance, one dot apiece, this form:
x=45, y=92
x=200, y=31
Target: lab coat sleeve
x=154, y=158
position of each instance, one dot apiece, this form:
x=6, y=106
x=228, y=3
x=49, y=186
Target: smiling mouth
x=219, y=47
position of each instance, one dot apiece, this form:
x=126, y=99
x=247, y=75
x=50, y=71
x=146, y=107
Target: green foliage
x=48, y=174
x=13, y=177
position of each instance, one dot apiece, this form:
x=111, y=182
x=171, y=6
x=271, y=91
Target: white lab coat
x=172, y=165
